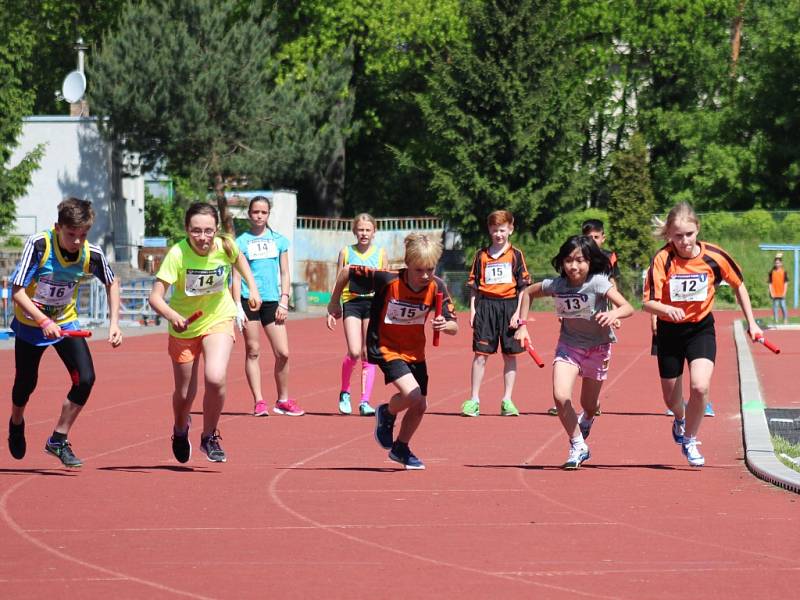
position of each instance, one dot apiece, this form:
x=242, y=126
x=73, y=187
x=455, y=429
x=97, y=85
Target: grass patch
x=782, y=446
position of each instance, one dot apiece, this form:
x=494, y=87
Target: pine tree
x=631, y=207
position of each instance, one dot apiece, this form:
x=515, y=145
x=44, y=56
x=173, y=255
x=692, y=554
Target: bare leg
x=564, y=376
x=252, y=365
x=700, y=371
x=185, y=376
x=410, y=399
x=279, y=340
x=478, y=369
x=216, y=353
x=509, y=375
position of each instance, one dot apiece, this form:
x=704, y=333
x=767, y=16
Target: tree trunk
x=225, y=218
x=329, y=185
x=736, y=36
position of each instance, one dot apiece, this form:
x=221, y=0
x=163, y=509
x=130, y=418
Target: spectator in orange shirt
x=778, y=281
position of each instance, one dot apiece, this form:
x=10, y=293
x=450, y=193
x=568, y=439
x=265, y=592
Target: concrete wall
x=78, y=162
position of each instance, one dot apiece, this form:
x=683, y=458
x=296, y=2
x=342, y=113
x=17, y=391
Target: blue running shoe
x=402, y=454
x=710, y=410
x=384, y=426
x=344, y=403
x=678, y=429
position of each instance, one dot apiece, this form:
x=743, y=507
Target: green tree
x=631, y=206
x=505, y=116
x=15, y=103
x=394, y=45
x=194, y=84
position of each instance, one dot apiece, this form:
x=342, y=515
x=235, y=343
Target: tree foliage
x=15, y=103
x=631, y=206
x=505, y=116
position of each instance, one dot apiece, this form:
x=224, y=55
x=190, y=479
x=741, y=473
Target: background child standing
x=356, y=309
x=778, y=280
x=497, y=277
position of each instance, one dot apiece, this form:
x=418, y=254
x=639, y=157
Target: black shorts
x=265, y=314
x=395, y=369
x=490, y=326
x=357, y=307
x=684, y=342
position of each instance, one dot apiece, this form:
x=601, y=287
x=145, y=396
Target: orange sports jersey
x=398, y=314
x=501, y=277
x=690, y=283
x=777, y=283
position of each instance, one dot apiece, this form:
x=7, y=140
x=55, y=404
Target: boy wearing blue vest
x=45, y=289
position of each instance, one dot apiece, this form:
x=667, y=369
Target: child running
x=396, y=335
x=45, y=287
x=595, y=229
x=581, y=294
x=356, y=313
x=199, y=268
x=266, y=252
x=679, y=289
x=497, y=276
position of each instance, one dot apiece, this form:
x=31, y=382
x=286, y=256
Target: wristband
x=283, y=306
x=45, y=322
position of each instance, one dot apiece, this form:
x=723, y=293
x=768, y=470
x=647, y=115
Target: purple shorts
x=592, y=363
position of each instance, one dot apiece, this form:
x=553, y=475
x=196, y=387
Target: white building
x=78, y=162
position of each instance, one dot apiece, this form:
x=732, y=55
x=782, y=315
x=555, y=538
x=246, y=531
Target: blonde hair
x=422, y=249
x=364, y=217
x=682, y=211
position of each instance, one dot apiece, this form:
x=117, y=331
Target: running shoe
x=577, y=456
x=669, y=413
x=288, y=407
x=261, y=409
x=365, y=410
x=585, y=426
x=692, y=454
x=471, y=408
x=209, y=445
x=384, y=426
x=553, y=411
x=344, y=403
x=63, y=451
x=402, y=454
x=16, y=440
x=678, y=429
x=598, y=412
x=709, y=410
x=181, y=446
x=507, y=409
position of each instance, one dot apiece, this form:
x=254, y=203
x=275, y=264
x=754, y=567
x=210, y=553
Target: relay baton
x=533, y=354
x=438, y=313
x=75, y=333
x=193, y=317
x=767, y=344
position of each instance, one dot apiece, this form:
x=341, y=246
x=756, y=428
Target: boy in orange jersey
x=396, y=335
x=497, y=277
x=778, y=280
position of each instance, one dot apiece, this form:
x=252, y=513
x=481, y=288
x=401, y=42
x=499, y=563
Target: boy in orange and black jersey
x=497, y=277
x=396, y=335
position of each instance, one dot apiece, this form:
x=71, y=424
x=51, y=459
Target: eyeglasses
x=202, y=232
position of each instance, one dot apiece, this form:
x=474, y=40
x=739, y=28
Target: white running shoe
x=692, y=454
x=577, y=456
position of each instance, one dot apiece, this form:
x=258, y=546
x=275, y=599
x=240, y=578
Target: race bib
x=262, y=249
x=405, y=313
x=573, y=306
x=200, y=282
x=499, y=272
x=688, y=288
x=50, y=292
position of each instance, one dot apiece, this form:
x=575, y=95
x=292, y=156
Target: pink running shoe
x=261, y=409
x=288, y=407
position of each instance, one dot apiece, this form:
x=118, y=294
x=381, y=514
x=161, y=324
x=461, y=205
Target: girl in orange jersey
x=679, y=289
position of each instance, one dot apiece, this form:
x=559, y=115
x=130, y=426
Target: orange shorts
x=185, y=350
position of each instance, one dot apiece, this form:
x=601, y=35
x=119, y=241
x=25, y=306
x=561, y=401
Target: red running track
x=311, y=507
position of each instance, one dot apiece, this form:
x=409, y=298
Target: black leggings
x=74, y=353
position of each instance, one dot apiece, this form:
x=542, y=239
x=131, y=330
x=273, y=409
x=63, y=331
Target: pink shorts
x=592, y=363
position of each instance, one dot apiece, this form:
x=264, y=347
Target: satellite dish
x=73, y=87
